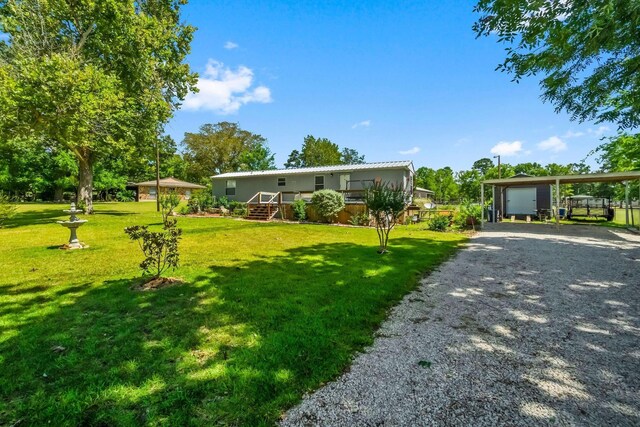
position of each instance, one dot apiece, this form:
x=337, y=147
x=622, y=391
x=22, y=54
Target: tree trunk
x=58, y=193
x=85, y=181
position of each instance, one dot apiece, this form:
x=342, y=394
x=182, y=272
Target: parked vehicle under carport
x=585, y=206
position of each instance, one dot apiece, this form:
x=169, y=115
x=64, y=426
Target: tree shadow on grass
x=48, y=215
x=113, y=213
x=237, y=345
x=36, y=217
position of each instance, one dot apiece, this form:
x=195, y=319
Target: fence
x=312, y=215
x=620, y=216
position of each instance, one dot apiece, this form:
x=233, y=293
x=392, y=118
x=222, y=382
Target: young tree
x=168, y=203
x=385, y=203
x=225, y=147
x=160, y=248
x=92, y=77
x=587, y=53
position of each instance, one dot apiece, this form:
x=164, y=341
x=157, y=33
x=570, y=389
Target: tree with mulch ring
x=385, y=203
x=160, y=249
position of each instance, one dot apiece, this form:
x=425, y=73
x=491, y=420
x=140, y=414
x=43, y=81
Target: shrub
x=222, y=202
x=240, y=211
x=385, y=203
x=7, y=209
x=125, y=196
x=328, y=203
x=360, y=219
x=160, y=248
x=439, y=223
x=168, y=202
x=237, y=208
x=299, y=208
x=233, y=204
x=184, y=210
x=469, y=215
x=200, y=201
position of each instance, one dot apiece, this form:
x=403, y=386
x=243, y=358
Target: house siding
x=247, y=187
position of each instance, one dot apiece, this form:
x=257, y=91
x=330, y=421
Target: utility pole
x=157, y=174
x=499, y=167
x=501, y=212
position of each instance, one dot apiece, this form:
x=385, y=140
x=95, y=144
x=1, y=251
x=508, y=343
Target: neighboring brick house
x=147, y=190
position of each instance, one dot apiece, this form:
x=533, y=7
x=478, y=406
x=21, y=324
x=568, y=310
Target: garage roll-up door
x=521, y=201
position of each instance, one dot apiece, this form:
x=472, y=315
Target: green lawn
x=270, y=311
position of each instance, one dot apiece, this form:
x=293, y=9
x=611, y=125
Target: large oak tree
x=92, y=76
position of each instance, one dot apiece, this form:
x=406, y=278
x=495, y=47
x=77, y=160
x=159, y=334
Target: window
x=282, y=182
x=319, y=182
x=152, y=193
x=231, y=187
x=187, y=194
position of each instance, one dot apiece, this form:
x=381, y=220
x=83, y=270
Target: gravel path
x=526, y=326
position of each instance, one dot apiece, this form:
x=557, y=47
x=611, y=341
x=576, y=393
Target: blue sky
x=404, y=81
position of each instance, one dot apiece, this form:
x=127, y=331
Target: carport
x=520, y=181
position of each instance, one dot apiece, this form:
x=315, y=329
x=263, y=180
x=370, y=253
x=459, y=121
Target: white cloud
x=224, y=90
x=553, y=144
x=600, y=131
x=504, y=148
x=231, y=45
x=414, y=150
x=364, y=123
x=572, y=134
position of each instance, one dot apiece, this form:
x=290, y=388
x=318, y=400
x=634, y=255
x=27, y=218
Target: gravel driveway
x=526, y=326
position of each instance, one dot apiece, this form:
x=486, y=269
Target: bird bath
x=72, y=224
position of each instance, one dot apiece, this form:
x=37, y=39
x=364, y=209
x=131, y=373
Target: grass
x=270, y=311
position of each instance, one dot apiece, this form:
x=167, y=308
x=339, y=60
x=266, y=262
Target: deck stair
x=264, y=206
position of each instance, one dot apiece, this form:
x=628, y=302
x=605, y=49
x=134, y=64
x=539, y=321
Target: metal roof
x=169, y=182
x=403, y=164
x=424, y=190
x=566, y=179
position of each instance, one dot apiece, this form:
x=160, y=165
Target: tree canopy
x=92, y=77
x=322, y=152
x=586, y=52
x=224, y=147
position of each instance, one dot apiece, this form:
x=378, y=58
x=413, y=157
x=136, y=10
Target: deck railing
x=272, y=201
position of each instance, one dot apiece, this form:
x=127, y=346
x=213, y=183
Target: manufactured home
x=284, y=186
x=302, y=182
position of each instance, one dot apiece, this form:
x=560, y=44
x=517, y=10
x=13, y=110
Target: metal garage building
x=523, y=195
